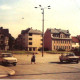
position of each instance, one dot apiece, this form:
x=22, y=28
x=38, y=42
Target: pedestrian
x=33, y=58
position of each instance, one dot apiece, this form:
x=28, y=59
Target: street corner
x=11, y=72
x=5, y=71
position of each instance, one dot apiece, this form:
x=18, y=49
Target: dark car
x=69, y=57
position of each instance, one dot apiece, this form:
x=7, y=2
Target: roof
x=5, y=32
x=57, y=31
x=30, y=30
x=75, y=39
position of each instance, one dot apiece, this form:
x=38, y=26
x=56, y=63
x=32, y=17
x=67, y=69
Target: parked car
x=7, y=58
x=69, y=57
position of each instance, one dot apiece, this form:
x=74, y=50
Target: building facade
x=75, y=42
x=30, y=40
x=55, y=39
x=4, y=39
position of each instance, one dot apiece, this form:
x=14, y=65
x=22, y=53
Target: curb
x=1, y=76
x=11, y=72
x=8, y=72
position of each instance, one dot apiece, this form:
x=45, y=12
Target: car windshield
x=70, y=54
x=6, y=55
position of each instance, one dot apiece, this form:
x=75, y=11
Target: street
x=46, y=67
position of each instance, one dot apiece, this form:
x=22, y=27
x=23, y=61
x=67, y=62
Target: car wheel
x=77, y=61
x=14, y=64
x=3, y=63
x=61, y=60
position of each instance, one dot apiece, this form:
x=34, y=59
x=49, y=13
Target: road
x=47, y=67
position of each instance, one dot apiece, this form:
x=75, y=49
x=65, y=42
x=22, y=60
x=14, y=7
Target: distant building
x=4, y=39
x=75, y=41
x=30, y=40
x=55, y=39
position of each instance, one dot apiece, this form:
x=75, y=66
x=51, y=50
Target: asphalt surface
x=5, y=71
x=46, y=67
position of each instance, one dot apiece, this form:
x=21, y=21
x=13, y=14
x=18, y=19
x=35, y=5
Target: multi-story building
x=30, y=40
x=55, y=39
x=4, y=39
x=75, y=41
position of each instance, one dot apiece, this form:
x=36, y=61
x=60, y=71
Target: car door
x=64, y=57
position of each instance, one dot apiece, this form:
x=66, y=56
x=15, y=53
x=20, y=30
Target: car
x=69, y=57
x=7, y=58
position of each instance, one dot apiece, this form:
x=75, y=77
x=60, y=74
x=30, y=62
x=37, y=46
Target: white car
x=69, y=57
x=7, y=58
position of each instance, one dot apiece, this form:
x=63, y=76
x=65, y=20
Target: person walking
x=33, y=58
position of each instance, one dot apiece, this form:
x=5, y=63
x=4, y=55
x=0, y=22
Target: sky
x=64, y=14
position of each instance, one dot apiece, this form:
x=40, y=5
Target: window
x=57, y=41
x=65, y=47
x=69, y=42
x=30, y=34
x=67, y=36
x=54, y=47
x=54, y=41
x=33, y=49
x=61, y=41
x=41, y=39
x=57, y=47
x=65, y=42
x=30, y=43
x=61, y=36
x=30, y=38
x=30, y=49
x=2, y=42
x=2, y=37
x=41, y=43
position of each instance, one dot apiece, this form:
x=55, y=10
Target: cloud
x=5, y=7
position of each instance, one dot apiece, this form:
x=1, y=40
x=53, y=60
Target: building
x=4, y=39
x=55, y=39
x=75, y=42
x=30, y=40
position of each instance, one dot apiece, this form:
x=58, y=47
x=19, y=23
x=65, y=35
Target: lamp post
x=42, y=8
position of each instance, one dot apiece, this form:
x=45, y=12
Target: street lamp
x=42, y=8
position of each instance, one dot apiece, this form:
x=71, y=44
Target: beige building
x=55, y=39
x=30, y=40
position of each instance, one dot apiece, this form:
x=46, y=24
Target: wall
x=47, y=40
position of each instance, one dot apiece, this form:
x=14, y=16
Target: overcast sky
x=64, y=14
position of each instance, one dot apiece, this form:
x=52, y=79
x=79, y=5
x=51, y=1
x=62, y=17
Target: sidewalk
x=4, y=71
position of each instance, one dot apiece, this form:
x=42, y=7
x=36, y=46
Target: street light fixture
x=42, y=8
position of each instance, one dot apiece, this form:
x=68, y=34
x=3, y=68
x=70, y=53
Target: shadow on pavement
x=62, y=63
